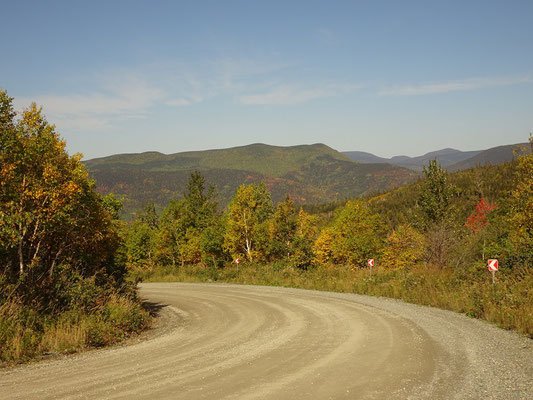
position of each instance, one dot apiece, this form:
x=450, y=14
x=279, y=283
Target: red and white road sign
x=237, y=261
x=370, y=262
x=493, y=264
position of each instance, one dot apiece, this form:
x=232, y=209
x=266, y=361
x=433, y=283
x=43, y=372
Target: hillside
x=309, y=173
x=259, y=158
x=365, y=158
x=445, y=157
x=492, y=156
x=451, y=159
x=493, y=182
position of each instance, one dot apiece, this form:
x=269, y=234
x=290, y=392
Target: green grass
x=509, y=304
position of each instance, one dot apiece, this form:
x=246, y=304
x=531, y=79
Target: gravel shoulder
x=218, y=341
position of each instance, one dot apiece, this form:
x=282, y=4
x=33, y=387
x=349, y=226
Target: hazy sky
x=387, y=77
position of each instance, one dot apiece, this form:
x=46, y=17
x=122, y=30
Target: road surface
x=244, y=342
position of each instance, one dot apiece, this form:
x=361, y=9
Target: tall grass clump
x=105, y=319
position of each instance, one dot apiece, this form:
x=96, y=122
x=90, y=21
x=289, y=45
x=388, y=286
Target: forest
x=441, y=221
x=69, y=265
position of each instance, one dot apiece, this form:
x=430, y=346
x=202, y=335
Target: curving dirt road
x=243, y=342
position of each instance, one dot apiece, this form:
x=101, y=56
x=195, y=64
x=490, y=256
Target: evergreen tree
x=184, y=222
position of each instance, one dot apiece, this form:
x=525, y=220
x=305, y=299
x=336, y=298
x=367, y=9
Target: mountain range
x=451, y=159
x=308, y=173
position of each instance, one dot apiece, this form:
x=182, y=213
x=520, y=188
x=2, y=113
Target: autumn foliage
x=50, y=213
x=478, y=219
x=59, y=238
x=442, y=221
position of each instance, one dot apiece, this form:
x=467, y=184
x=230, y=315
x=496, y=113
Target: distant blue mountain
x=450, y=159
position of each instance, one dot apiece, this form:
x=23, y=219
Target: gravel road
x=244, y=342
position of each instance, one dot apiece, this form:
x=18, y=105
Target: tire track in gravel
x=230, y=341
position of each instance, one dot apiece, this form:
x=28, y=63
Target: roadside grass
x=27, y=334
x=508, y=304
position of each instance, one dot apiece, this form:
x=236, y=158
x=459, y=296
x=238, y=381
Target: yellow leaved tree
x=50, y=214
x=404, y=247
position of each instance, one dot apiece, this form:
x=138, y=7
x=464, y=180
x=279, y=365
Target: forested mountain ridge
x=450, y=159
x=493, y=156
x=309, y=173
x=258, y=157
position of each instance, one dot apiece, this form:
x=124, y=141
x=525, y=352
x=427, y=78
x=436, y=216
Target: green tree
x=521, y=215
x=357, y=234
x=435, y=194
x=283, y=226
x=212, y=241
x=184, y=221
x=142, y=237
x=199, y=203
x=141, y=244
x=248, y=215
x=434, y=201
x=304, y=238
x=149, y=216
x=172, y=233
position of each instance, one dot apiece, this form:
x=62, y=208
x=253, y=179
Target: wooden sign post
x=493, y=267
x=370, y=264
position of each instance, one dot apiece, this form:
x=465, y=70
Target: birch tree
x=247, y=230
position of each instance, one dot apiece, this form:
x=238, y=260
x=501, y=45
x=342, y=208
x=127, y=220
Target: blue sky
x=387, y=77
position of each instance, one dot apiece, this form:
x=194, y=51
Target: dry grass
x=65, y=337
x=25, y=334
x=509, y=304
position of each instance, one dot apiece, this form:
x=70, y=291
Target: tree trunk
x=248, y=250
x=248, y=241
x=51, y=272
x=22, y=232
x=21, y=257
x=34, y=258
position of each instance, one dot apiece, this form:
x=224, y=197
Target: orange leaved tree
x=51, y=218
